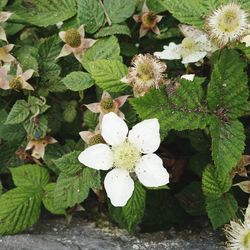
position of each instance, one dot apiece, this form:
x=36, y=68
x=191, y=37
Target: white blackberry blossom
x=127, y=152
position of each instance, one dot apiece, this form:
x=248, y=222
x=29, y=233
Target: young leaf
x=108, y=74
x=214, y=185
x=20, y=209
x=91, y=14
x=43, y=13
x=119, y=10
x=228, y=142
x=131, y=214
x=30, y=175
x=181, y=110
x=90, y=119
x=228, y=89
x=78, y=81
x=19, y=112
x=221, y=210
x=73, y=189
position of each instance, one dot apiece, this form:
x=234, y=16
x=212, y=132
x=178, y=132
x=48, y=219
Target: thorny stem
x=105, y=12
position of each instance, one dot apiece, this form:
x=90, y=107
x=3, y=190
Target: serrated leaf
x=42, y=13
x=181, y=110
x=19, y=112
x=106, y=48
x=214, y=185
x=70, y=112
x=115, y=29
x=191, y=12
x=108, y=74
x=69, y=163
x=78, y=81
x=73, y=189
x=228, y=89
x=30, y=175
x=119, y=10
x=220, y=211
x=20, y=209
x=91, y=14
x=131, y=214
x=49, y=201
x=228, y=142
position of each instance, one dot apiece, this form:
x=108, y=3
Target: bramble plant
x=156, y=92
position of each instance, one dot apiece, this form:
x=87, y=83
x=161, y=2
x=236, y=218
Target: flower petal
x=4, y=16
x=66, y=50
x=146, y=136
x=81, y=30
x=150, y=171
x=114, y=129
x=3, y=34
x=86, y=135
x=62, y=35
x=119, y=186
x=194, y=57
x=121, y=100
x=94, y=107
x=98, y=156
x=189, y=77
x=170, y=52
x=28, y=74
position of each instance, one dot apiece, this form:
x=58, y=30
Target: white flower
x=189, y=77
x=127, y=154
x=146, y=72
x=4, y=16
x=238, y=233
x=228, y=24
x=193, y=48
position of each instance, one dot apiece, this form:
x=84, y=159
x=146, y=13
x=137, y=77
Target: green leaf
x=3, y=3
x=192, y=199
x=30, y=175
x=42, y=13
x=220, y=211
x=73, y=189
x=78, y=81
x=49, y=200
x=214, y=185
x=37, y=127
x=90, y=119
x=37, y=105
x=20, y=209
x=106, y=48
x=119, y=10
x=192, y=12
x=70, y=112
x=69, y=163
x=228, y=142
x=228, y=89
x=181, y=110
x=115, y=29
x=91, y=14
x=108, y=74
x=19, y=112
x=131, y=214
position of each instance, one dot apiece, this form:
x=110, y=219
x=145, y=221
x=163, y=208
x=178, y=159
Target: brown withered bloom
x=38, y=146
x=145, y=73
x=148, y=20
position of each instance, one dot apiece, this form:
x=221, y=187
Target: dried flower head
x=76, y=42
x=4, y=16
x=146, y=72
x=5, y=55
x=108, y=104
x=38, y=146
x=149, y=20
x=238, y=233
x=227, y=24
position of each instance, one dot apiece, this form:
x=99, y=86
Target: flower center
x=246, y=240
x=145, y=71
x=95, y=139
x=189, y=46
x=73, y=38
x=16, y=83
x=149, y=19
x=126, y=155
x=228, y=21
x=107, y=104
